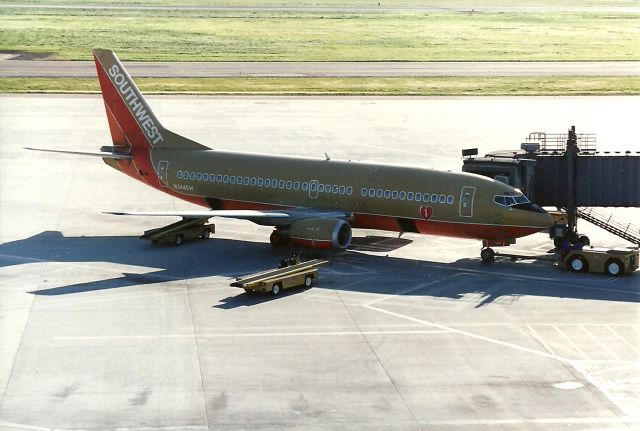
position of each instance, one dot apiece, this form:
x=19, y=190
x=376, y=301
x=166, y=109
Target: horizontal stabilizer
x=116, y=156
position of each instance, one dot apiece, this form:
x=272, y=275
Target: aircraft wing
x=264, y=217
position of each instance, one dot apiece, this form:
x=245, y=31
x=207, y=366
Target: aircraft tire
x=614, y=267
x=178, y=239
x=277, y=240
x=487, y=255
x=276, y=288
x=577, y=263
x=308, y=281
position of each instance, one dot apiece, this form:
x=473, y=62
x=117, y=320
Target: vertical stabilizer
x=131, y=120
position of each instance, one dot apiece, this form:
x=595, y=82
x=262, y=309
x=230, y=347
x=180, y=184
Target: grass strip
x=150, y=35
x=434, y=86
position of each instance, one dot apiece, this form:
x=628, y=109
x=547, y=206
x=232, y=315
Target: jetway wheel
x=487, y=255
x=178, y=239
x=584, y=240
x=206, y=234
x=276, y=288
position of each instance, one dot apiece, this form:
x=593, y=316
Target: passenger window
x=205, y=177
x=305, y=186
x=246, y=181
x=387, y=194
x=232, y=180
x=296, y=185
x=267, y=182
x=434, y=198
x=281, y=184
x=418, y=197
x=342, y=190
x=443, y=199
x=199, y=176
x=410, y=196
x=394, y=194
x=403, y=195
x=363, y=192
x=379, y=193
x=225, y=179
x=349, y=190
x=289, y=185
x=192, y=175
x=372, y=193
x=320, y=188
x=260, y=182
x=334, y=189
x=179, y=175
x=450, y=199
x=254, y=181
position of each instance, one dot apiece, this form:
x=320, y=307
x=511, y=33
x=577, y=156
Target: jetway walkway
x=605, y=221
x=566, y=171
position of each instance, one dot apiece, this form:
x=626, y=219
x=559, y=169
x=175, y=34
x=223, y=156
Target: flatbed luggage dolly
x=275, y=280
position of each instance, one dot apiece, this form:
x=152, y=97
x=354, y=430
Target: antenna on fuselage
x=326, y=156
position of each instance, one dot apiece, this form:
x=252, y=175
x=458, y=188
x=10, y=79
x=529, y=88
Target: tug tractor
x=614, y=262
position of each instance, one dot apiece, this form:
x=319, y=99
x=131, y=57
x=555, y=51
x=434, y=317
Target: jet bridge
x=568, y=172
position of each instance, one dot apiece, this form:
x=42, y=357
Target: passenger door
x=466, y=201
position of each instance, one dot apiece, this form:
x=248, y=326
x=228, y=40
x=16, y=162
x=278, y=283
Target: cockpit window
x=510, y=201
x=518, y=202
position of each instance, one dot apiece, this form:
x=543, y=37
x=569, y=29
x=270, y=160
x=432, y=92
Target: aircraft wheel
x=614, y=267
x=584, y=240
x=577, y=263
x=276, y=239
x=276, y=288
x=308, y=281
x=206, y=234
x=488, y=255
x=178, y=239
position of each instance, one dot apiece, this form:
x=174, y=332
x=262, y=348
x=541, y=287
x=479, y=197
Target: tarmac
x=102, y=331
x=12, y=66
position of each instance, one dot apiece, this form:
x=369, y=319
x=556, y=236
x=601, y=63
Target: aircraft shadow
x=504, y=281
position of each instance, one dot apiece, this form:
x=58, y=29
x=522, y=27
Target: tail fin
x=131, y=120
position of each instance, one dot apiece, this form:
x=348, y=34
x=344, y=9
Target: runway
x=101, y=330
x=86, y=69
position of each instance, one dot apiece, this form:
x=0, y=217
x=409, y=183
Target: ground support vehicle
x=276, y=280
x=184, y=230
x=614, y=262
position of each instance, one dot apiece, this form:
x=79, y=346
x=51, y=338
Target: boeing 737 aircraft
x=310, y=202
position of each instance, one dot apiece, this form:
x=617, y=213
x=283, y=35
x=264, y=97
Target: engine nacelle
x=321, y=233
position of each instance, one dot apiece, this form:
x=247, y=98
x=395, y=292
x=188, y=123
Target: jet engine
x=320, y=233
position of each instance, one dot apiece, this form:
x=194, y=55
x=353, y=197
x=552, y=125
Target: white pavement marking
x=539, y=339
x=575, y=364
x=570, y=342
x=597, y=340
x=250, y=334
x=621, y=338
x=540, y=421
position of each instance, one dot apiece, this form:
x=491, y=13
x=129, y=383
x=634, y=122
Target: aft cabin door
x=466, y=201
x=163, y=169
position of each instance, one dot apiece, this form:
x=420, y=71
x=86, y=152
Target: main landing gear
x=278, y=239
x=487, y=254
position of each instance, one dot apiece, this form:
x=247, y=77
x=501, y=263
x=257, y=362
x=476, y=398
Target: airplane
x=310, y=202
